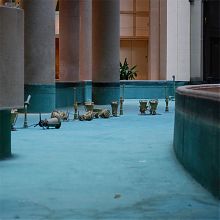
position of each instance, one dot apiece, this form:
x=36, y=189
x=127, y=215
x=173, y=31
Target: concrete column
x=40, y=54
x=196, y=41
x=85, y=54
x=154, y=42
x=69, y=40
x=105, y=47
x=11, y=71
x=85, y=40
x=11, y=58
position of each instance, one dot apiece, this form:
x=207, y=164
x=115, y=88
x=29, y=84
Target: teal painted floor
x=118, y=168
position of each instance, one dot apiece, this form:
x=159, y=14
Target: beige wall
x=169, y=48
x=134, y=33
x=158, y=40
x=136, y=54
x=178, y=39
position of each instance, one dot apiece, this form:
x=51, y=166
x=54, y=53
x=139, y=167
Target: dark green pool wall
x=42, y=97
x=65, y=93
x=197, y=139
x=149, y=89
x=5, y=134
x=105, y=93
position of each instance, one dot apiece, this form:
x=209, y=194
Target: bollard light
x=89, y=106
x=167, y=102
x=143, y=106
x=26, y=104
x=75, y=106
x=121, y=105
x=153, y=106
x=114, y=106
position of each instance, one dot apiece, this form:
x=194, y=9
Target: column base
x=104, y=93
x=65, y=93
x=87, y=90
x=42, y=97
x=5, y=134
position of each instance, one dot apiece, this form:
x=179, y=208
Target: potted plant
x=126, y=72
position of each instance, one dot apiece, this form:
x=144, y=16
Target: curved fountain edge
x=197, y=134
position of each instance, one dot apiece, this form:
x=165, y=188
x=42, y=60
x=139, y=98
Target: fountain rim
x=200, y=91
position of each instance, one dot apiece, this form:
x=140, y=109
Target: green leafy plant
x=127, y=73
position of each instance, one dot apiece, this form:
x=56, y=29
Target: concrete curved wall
x=197, y=133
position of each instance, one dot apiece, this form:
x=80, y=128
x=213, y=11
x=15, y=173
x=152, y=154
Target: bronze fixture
x=105, y=113
x=102, y=113
x=167, y=102
x=49, y=123
x=114, y=106
x=88, y=116
x=122, y=100
x=14, y=116
x=153, y=106
x=143, y=106
x=89, y=106
x=75, y=105
x=121, y=105
x=166, y=99
x=26, y=104
x=174, y=87
x=60, y=114
x=75, y=116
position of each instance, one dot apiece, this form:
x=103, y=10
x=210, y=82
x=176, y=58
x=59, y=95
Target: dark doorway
x=211, y=36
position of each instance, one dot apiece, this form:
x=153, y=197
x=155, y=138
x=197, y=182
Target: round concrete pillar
x=11, y=71
x=5, y=133
x=105, y=47
x=39, y=38
x=69, y=40
x=85, y=53
x=86, y=40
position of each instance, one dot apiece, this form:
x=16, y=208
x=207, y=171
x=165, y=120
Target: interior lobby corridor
x=118, y=168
